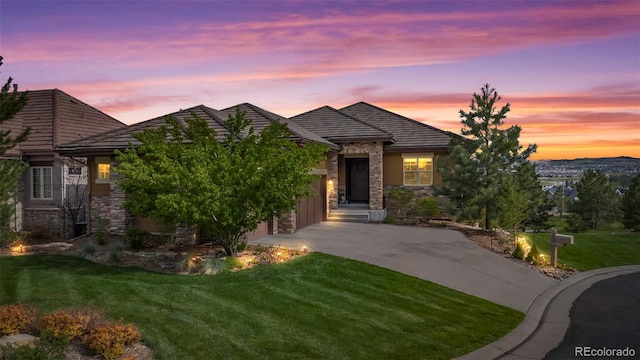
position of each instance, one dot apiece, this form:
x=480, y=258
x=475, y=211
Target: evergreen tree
x=11, y=102
x=474, y=171
x=631, y=205
x=538, y=203
x=596, y=198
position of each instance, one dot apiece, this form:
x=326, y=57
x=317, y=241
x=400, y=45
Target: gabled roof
x=261, y=118
x=337, y=126
x=410, y=135
x=56, y=117
x=105, y=143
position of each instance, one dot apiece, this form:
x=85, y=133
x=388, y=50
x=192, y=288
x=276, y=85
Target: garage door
x=313, y=209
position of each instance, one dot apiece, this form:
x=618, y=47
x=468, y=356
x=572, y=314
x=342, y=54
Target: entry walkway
x=443, y=256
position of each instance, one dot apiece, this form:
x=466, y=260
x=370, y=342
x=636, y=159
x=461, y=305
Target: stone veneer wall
x=186, y=234
x=120, y=218
x=49, y=220
x=418, y=192
x=332, y=181
x=374, y=150
x=287, y=223
x=99, y=208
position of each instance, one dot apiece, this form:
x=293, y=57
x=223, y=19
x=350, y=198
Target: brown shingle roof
x=410, y=135
x=337, y=126
x=261, y=118
x=106, y=143
x=56, y=117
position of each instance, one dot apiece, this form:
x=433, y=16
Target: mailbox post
x=558, y=240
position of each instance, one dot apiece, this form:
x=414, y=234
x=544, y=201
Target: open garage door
x=313, y=209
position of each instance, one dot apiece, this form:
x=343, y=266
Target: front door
x=357, y=179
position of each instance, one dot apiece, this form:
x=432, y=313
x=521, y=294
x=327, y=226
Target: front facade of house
x=380, y=150
x=52, y=182
x=370, y=150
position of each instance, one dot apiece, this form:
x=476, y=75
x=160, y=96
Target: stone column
x=375, y=177
x=119, y=217
x=332, y=179
x=287, y=223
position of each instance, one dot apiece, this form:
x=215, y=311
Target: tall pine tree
x=477, y=165
x=596, y=198
x=11, y=169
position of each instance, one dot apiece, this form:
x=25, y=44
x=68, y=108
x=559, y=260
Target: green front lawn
x=594, y=249
x=317, y=306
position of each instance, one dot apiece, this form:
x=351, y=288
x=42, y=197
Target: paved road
x=443, y=256
x=607, y=315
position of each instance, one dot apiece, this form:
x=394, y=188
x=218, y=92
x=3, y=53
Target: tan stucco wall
x=152, y=225
x=392, y=163
x=96, y=189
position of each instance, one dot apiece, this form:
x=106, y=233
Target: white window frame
x=41, y=182
x=417, y=157
x=103, y=161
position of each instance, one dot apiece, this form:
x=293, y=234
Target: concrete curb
x=547, y=318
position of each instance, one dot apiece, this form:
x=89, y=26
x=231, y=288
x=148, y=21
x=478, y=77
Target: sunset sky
x=569, y=69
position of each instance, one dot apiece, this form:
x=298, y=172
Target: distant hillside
x=572, y=168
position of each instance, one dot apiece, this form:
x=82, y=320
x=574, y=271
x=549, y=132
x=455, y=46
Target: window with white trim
x=104, y=170
x=417, y=169
x=41, y=183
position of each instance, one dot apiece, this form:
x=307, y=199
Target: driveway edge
x=547, y=318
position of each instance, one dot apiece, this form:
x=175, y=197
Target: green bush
x=232, y=262
x=135, y=238
x=88, y=249
x=402, y=199
x=102, y=230
x=518, y=253
x=115, y=253
x=428, y=207
x=576, y=224
x=389, y=220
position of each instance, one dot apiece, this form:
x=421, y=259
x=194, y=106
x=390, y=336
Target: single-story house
x=48, y=186
x=370, y=151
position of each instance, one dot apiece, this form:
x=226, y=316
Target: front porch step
x=344, y=215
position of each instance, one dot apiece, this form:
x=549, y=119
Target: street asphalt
x=605, y=316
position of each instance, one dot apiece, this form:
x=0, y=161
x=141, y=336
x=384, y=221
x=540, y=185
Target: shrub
x=62, y=324
x=212, y=266
x=389, y=220
x=242, y=245
x=15, y=319
x=135, y=238
x=115, y=253
x=402, y=199
x=12, y=237
x=102, y=229
x=428, y=207
x=111, y=340
x=575, y=224
x=88, y=249
x=518, y=253
x=232, y=262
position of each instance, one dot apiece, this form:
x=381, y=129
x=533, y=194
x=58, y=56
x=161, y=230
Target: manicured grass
x=594, y=249
x=318, y=306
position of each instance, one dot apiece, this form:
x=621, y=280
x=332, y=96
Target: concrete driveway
x=442, y=256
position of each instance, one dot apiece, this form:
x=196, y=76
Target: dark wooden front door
x=357, y=179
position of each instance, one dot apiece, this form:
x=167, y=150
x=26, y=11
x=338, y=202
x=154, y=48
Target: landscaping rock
x=52, y=246
x=17, y=340
x=156, y=255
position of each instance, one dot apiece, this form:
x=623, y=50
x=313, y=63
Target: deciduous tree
x=11, y=169
x=182, y=174
x=475, y=169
